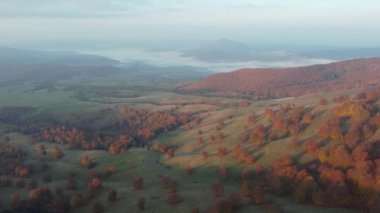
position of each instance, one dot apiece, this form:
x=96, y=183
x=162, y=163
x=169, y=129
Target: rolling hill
x=11, y=56
x=285, y=82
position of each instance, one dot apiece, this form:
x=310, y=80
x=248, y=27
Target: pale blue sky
x=319, y=22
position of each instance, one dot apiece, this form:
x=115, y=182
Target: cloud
x=70, y=8
x=287, y=20
x=112, y=8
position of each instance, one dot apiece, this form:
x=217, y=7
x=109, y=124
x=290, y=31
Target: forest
x=269, y=83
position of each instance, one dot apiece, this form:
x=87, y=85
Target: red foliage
x=376, y=121
x=245, y=189
x=76, y=200
x=258, y=135
x=223, y=172
x=170, y=153
x=195, y=210
x=357, y=110
x=169, y=184
x=132, y=125
x=138, y=183
x=113, y=149
x=22, y=172
x=222, y=151
x=57, y=152
x=312, y=146
x=204, y=155
x=257, y=195
x=188, y=170
x=285, y=82
x=331, y=176
x=15, y=199
x=141, y=203
x=331, y=130
x=217, y=190
x=252, y=119
x=323, y=102
x=339, y=157
x=174, y=198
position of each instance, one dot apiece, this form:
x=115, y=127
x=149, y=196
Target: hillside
x=75, y=143
x=12, y=56
x=284, y=82
x=119, y=141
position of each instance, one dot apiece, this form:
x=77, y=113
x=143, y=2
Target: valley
x=81, y=141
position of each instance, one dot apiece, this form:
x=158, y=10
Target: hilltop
x=285, y=82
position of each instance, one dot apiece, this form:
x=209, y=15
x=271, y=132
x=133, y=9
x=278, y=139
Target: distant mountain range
x=12, y=56
x=22, y=66
x=284, y=82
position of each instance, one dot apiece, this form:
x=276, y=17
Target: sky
x=344, y=23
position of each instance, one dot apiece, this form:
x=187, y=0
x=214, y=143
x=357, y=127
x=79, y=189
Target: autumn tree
x=195, y=210
x=96, y=182
x=113, y=149
x=222, y=151
x=245, y=189
x=57, y=152
x=71, y=184
x=112, y=196
x=20, y=183
x=257, y=136
x=141, y=203
x=170, y=153
x=252, y=119
x=138, y=183
x=188, y=170
x=110, y=170
x=204, y=155
x=223, y=173
x=86, y=162
x=302, y=189
x=41, y=196
x=217, y=190
x=15, y=199
x=97, y=207
x=41, y=149
x=22, y=171
x=244, y=104
x=76, y=200
x=234, y=200
x=47, y=178
x=312, y=146
x=174, y=198
x=32, y=184
x=257, y=195
x=294, y=141
x=323, y=102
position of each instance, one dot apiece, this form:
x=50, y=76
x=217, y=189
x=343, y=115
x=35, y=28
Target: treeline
x=133, y=128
